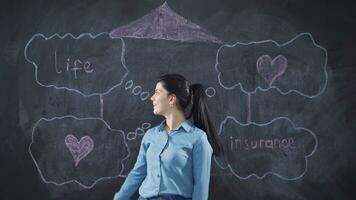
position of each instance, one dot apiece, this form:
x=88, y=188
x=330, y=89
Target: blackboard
x=77, y=77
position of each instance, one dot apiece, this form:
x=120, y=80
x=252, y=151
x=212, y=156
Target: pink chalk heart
x=81, y=149
x=271, y=69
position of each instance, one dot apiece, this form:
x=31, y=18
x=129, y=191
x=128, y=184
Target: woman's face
x=161, y=100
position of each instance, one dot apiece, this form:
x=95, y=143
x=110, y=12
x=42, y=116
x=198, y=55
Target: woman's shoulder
x=198, y=132
x=199, y=135
x=201, y=139
x=151, y=132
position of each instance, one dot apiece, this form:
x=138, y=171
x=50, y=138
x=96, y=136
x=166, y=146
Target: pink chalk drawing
x=165, y=24
x=271, y=69
x=81, y=149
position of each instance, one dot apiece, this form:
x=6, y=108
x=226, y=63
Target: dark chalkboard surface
x=78, y=76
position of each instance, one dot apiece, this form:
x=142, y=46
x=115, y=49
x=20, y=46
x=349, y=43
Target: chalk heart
x=81, y=149
x=271, y=69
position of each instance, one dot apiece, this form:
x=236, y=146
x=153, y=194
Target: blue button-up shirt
x=177, y=162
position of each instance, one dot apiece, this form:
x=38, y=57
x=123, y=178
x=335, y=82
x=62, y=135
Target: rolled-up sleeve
x=136, y=175
x=202, y=153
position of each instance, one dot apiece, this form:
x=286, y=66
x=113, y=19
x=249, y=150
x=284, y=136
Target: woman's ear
x=172, y=99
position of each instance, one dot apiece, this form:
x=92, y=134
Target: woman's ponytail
x=195, y=96
x=201, y=117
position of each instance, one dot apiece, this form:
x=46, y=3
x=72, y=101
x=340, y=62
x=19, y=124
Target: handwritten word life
x=74, y=66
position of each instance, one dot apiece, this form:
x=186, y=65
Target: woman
x=175, y=157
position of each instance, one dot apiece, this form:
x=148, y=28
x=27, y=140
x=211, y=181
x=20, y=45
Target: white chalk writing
x=237, y=144
x=72, y=66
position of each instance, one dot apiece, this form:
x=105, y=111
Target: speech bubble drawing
x=78, y=63
x=55, y=163
x=306, y=74
x=275, y=148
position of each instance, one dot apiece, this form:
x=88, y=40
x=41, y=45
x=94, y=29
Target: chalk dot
x=136, y=90
x=128, y=84
x=210, y=92
x=144, y=95
x=146, y=125
x=140, y=131
x=131, y=135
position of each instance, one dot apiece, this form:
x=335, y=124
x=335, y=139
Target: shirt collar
x=187, y=125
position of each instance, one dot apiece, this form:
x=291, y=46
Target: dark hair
x=193, y=94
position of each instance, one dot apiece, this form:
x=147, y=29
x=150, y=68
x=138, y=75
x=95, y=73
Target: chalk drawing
x=79, y=149
x=269, y=143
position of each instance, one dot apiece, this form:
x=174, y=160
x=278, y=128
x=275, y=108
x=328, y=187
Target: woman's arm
x=202, y=153
x=136, y=175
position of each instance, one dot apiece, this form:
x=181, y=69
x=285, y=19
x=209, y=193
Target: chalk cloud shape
x=276, y=148
x=54, y=162
x=87, y=64
x=302, y=66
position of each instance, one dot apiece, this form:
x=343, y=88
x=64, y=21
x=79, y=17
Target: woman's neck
x=173, y=120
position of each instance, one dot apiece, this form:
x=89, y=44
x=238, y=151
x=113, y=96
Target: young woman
x=175, y=157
